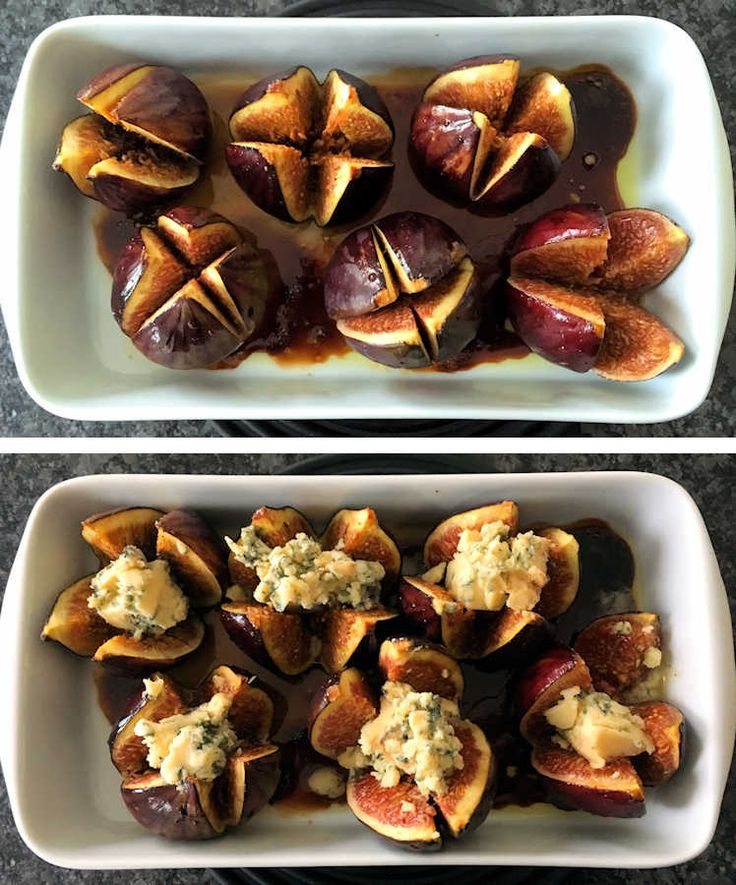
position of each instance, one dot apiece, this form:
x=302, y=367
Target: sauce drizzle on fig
x=300, y=333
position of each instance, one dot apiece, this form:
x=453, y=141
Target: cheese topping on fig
x=303, y=575
x=138, y=596
x=413, y=735
x=597, y=727
x=193, y=744
x=327, y=782
x=490, y=569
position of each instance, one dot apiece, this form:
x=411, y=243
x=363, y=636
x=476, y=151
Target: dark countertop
x=710, y=479
x=712, y=24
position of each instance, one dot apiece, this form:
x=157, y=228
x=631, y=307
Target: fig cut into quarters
x=301, y=149
x=479, y=138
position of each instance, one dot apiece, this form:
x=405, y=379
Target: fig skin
x=201, y=566
x=349, y=636
x=665, y=725
x=257, y=175
x=488, y=95
x=355, y=282
x=541, y=685
x=470, y=790
x=389, y=336
x=123, y=652
x=525, y=167
x=561, y=325
x=563, y=568
x=339, y=711
x=109, y=533
x=174, y=812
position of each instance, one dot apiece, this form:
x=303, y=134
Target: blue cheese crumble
x=138, y=596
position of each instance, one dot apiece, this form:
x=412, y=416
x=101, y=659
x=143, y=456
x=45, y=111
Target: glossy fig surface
x=109, y=533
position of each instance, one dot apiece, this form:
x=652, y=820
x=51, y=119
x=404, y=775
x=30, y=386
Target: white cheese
x=413, y=735
x=193, y=744
x=153, y=687
x=622, y=628
x=652, y=657
x=249, y=548
x=138, y=596
x=327, y=782
x=491, y=569
x=597, y=727
x=302, y=574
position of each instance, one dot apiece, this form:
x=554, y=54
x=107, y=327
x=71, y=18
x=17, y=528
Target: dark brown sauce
x=607, y=573
x=301, y=333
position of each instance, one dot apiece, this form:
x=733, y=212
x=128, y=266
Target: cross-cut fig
x=441, y=543
x=541, y=685
x=278, y=639
x=400, y=814
x=196, y=555
x=109, y=533
x=666, y=727
x=620, y=651
x=562, y=325
x=645, y=247
x=358, y=534
x=74, y=624
x=567, y=245
x=563, y=569
x=339, y=712
x=468, y=147
x=347, y=635
x=144, y=142
x=469, y=794
x=423, y=667
x=124, y=652
x=251, y=711
x=612, y=791
x=358, y=279
x=302, y=150
x=637, y=346
x=389, y=336
x=127, y=749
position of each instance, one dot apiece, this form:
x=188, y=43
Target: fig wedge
x=153, y=652
x=524, y=167
x=175, y=812
x=73, y=624
x=541, y=685
x=358, y=279
x=562, y=325
x=485, y=83
x=196, y=555
x=620, y=651
x=276, y=639
x=109, y=533
x=563, y=568
x=281, y=108
x=347, y=635
x=274, y=176
x=666, y=727
x=423, y=667
x=637, y=346
x=544, y=105
x=358, y=534
x=389, y=336
x=572, y=783
x=251, y=711
x=469, y=796
x=437, y=617
x=84, y=142
x=441, y=543
x=339, y=712
x=645, y=247
x=508, y=637
x=400, y=814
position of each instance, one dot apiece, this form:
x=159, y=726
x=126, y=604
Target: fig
x=563, y=326
x=645, y=247
x=572, y=783
x=188, y=291
x=339, y=712
x=620, y=651
x=109, y=533
x=251, y=711
x=475, y=139
x=665, y=726
x=144, y=141
x=441, y=543
x=124, y=652
x=74, y=624
x=637, y=346
x=358, y=534
x=343, y=632
x=436, y=616
x=390, y=337
x=541, y=685
x=303, y=150
x=423, y=667
x=563, y=568
x=566, y=245
x=195, y=553
x=165, y=809
x=507, y=637
x=279, y=639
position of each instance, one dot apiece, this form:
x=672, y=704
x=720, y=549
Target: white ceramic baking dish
x=64, y=791
x=74, y=362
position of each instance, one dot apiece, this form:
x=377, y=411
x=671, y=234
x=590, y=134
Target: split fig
x=109, y=533
x=339, y=712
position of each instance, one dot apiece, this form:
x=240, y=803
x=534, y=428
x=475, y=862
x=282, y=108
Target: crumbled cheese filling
x=138, y=596
x=490, y=569
x=652, y=657
x=622, y=628
x=303, y=575
x=597, y=727
x=327, y=782
x=193, y=744
x=413, y=735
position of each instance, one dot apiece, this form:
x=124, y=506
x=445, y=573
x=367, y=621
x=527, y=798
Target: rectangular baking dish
x=64, y=792
x=74, y=362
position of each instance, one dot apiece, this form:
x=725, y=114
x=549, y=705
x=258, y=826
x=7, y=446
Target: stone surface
x=710, y=479
x=712, y=23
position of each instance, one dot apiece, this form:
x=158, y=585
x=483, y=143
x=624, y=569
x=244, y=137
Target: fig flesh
x=469, y=796
x=541, y=685
x=666, y=727
x=441, y=543
x=344, y=631
x=109, y=533
x=423, y=667
x=339, y=713
x=75, y=625
x=195, y=553
x=125, y=652
x=563, y=569
x=358, y=534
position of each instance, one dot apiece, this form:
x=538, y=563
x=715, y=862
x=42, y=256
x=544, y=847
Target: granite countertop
x=710, y=479
x=711, y=23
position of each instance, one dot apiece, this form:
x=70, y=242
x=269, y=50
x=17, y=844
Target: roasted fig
x=424, y=667
x=188, y=291
x=74, y=624
x=347, y=635
x=621, y=651
x=339, y=712
x=251, y=709
x=125, y=652
x=109, y=533
x=196, y=555
x=563, y=567
x=358, y=534
x=541, y=685
x=477, y=140
x=666, y=727
x=301, y=149
x=145, y=141
x=442, y=541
